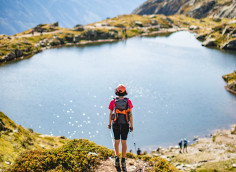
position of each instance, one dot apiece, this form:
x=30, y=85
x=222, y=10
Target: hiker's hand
x=131, y=129
x=109, y=126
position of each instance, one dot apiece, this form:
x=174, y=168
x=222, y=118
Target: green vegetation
x=15, y=139
x=76, y=155
x=162, y=165
x=231, y=81
x=148, y=25
x=221, y=166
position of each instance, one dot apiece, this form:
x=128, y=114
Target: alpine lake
x=174, y=83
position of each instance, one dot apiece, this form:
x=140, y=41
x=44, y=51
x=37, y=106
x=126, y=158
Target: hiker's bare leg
x=124, y=148
x=117, y=142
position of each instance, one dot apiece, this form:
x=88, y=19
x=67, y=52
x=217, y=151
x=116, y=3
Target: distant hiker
x=124, y=32
x=32, y=31
x=41, y=32
x=122, y=121
x=180, y=146
x=185, y=146
x=139, y=151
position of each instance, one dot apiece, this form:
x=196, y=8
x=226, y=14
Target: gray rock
x=69, y=38
x=232, y=85
x=193, y=27
x=201, y=37
x=231, y=45
x=2, y=126
x=77, y=38
x=79, y=28
x=216, y=19
x=209, y=43
x=138, y=23
x=154, y=22
x=234, y=165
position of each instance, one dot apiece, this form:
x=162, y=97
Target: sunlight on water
x=173, y=82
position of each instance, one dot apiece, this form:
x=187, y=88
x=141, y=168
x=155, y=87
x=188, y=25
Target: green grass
x=221, y=166
x=16, y=140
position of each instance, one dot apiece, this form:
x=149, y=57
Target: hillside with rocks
x=22, y=149
x=17, y=16
x=192, y=8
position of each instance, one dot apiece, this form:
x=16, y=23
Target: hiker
x=180, y=145
x=122, y=121
x=124, y=32
x=185, y=146
x=41, y=32
x=32, y=31
x=139, y=151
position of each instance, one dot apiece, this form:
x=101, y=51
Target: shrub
x=76, y=155
x=162, y=165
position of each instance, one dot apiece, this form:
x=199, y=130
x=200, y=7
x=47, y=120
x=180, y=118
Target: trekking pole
x=136, y=151
x=112, y=142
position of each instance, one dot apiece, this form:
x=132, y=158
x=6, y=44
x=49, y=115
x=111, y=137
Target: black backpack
x=121, y=111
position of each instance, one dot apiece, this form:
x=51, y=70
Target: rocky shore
x=215, y=153
x=214, y=33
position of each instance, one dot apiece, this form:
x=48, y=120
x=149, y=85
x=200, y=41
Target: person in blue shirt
x=185, y=146
x=180, y=145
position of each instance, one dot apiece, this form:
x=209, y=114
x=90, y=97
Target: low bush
x=162, y=165
x=76, y=155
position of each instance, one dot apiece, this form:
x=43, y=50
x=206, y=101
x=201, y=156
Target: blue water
x=175, y=85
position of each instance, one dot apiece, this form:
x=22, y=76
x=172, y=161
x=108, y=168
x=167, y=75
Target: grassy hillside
x=231, y=82
x=15, y=139
x=23, y=150
x=26, y=44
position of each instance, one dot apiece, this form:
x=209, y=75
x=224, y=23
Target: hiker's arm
x=109, y=126
x=131, y=118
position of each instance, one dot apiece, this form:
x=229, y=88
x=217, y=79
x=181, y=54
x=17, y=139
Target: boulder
x=2, y=126
x=54, y=42
x=77, y=38
x=152, y=16
x=232, y=22
x=232, y=85
x=231, y=45
x=69, y=38
x=138, y=23
x=209, y=43
x=216, y=19
x=154, y=22
x=201, y=37
x=192, y=27
x=234, y=165
x=18, y=53
x=79, y=28
x=10, y=56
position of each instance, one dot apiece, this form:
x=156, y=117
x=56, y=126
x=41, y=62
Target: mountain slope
x=17, y=16
x=192, y=8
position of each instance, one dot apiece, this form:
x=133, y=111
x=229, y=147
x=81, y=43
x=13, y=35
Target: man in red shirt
x=122, y=120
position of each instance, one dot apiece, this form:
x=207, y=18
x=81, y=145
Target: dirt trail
x=131, y=165
x=37, y=34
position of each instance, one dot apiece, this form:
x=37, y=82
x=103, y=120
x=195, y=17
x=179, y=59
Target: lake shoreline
x=219, y=148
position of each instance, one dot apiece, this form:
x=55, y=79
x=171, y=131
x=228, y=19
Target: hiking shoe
x=123, y=164
x=117, y=162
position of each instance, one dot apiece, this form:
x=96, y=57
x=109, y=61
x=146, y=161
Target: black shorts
x=120, y=130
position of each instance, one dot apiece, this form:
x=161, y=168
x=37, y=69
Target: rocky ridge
x=192, y=8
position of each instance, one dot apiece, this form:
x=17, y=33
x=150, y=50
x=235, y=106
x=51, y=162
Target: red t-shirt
x=112, y=104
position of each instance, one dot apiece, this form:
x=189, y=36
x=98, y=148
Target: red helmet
x=121, y=88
